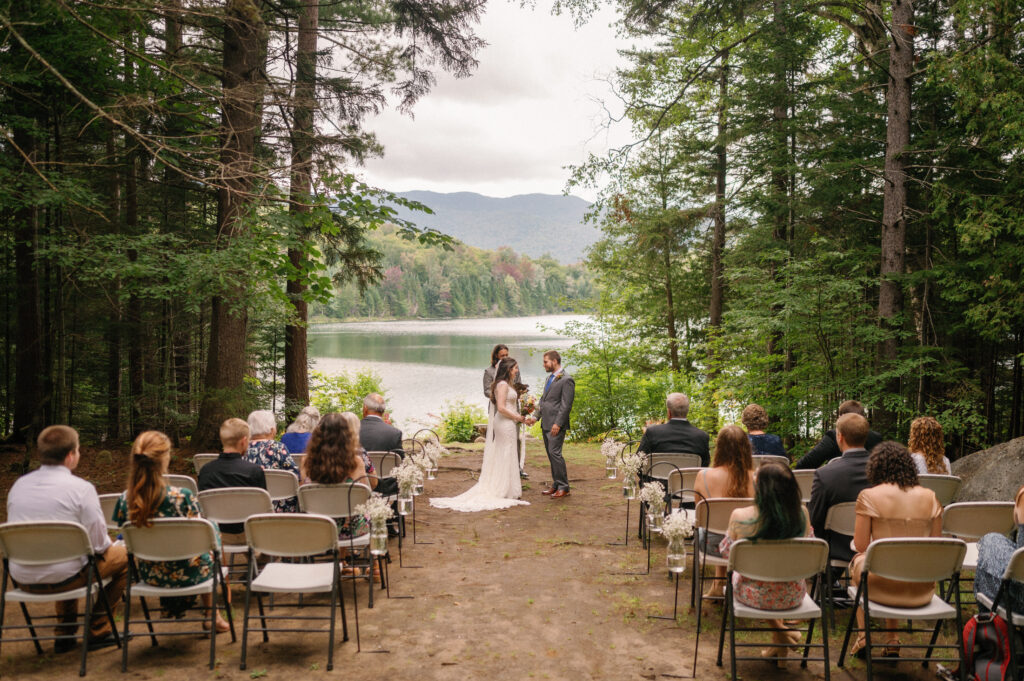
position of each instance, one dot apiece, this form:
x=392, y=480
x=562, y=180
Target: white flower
x=424, y=461
x=677, y=525
x=610, y=448
x=435, y=450
x=632, y=464
x=653, y=494
x=376, y=508
x=408, y=475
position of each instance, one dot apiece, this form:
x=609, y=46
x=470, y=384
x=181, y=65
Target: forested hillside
x=430, y=281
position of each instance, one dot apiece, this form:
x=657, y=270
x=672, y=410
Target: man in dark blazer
x=840, y=481
x=376, y=435
x=554, y=407
x=677, y=436
x=828, y=447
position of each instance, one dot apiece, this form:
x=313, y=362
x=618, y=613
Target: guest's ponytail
x=146, y=484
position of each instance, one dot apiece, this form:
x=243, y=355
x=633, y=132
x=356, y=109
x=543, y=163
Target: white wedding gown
x=499, y=485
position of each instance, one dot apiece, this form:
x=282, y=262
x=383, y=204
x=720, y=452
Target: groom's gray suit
x=554, y=407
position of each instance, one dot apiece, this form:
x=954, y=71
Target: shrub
x=342, y=391
x=457, y=421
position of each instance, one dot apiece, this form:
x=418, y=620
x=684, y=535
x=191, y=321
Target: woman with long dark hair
x=499, y=485
x=333, y=456
x=777, y=513
x=499, y=353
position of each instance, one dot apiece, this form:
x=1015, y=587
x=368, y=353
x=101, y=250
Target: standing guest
x=50, y=493
x=376, y=434
x=499, y=353
x=297, y=435
x=149, y=496
x=677, y=435
x=994, y=553
x=840, y=482
x=777, y=513
x=266, y=452
x=231, y=470
x=927, y=448
x=828, y=447
x=731, y=476
x=755, y=419
x=895, y=506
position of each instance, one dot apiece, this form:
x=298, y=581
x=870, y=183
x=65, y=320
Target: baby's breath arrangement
x=376, y=508
x=423, y=461
x=632, y=464
x=677, y=526
x=435, y=450
x=610, y=448
x=653, y=494
x=408, y=475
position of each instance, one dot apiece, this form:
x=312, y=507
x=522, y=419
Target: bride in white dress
x=499, y=485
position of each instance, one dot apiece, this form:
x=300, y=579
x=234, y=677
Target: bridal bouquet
x=527, y=405
x=376, y=508
x=677, y=526
x=408, y=475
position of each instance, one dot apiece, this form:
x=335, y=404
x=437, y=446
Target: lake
x=425, y=364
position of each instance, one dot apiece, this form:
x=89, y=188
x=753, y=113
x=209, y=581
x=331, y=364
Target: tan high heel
x=786, y=637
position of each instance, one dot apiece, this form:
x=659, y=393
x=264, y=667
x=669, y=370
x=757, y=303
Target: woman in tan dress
x=896, y=506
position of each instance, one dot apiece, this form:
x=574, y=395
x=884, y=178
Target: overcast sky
x=532, y=107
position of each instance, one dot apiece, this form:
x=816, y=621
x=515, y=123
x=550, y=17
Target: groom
x=554, y=407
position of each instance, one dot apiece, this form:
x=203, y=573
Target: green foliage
x=457, y=421
x=342, y=391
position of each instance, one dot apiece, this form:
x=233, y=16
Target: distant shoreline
x=357, y=320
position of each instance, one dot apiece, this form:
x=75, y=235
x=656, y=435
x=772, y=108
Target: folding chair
x=299, y=458
x=182, y=481
x=282, y=485
x=805, y=479
x=786, y=560
x=292, y=536
x=972, y=520
x=384, y=462
x=107, y=503
x=840, y=519
x=680, y=460
x=170, y=539
x=200, y=460
x=712, y=515
x=42, y=543
x=946, y=487
x=678, y=484
x=762, y=459
x=1014, y=572
x=233, y=506
x=910, y=559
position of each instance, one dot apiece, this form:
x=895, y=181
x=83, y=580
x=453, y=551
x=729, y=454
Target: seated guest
x=777, y=513
x=51, y=492
x=840, y=482
x=677, y=435
x=149, y=496
x=353, y=426
x=333, y=456
x=828, y=447
x=895, y=506
x=375, y=434
x=731, y=476
x=231, y=470
x=755, y=420
x=297, y=435
x=266, y=452
x=994, y=552
x=927, y=448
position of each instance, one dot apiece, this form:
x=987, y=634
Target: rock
x=993, y=474
x=480, y=440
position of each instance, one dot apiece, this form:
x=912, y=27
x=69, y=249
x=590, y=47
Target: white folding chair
x=679, y=459
x=282, y=485
x=200, y=460
x=972, y=520
x=233, y=506
x=713, y=516
x=182, y=481
x=910, y=559
x=946, y=487
x=40, y=543
x=291, y=536
x=173, y=539
x=298, y=459
x=787, y=560
x=108, y=502
x=840, y=519
x=762, y=459
x=683, y=479
x=384, y=462
x=805, y=479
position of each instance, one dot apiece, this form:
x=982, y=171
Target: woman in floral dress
x=149, y=496
x=266, y=452
x=777, y=513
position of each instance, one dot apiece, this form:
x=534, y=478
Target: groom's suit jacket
x=556, y=402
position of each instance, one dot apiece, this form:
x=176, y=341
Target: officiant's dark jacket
x=828, y=449
x=377, y=436
x=678, y=436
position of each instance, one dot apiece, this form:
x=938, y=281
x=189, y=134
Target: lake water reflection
x=425, y=364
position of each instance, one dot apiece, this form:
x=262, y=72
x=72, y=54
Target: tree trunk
x=718, y=237
x=244, y=55
x=296, y=374
x=114, y=322
x=894, y=199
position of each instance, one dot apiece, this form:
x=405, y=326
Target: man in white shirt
x=52, y=493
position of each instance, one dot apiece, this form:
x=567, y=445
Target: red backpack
x=987, y=648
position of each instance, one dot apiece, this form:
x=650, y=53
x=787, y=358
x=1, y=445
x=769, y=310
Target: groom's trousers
x=553, y=446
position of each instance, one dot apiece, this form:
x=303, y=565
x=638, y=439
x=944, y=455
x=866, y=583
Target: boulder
x=993, y=474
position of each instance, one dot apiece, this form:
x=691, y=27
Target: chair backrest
x=107, y=503
x=232, y=505
x=1015, y=568
x=200, y=460
x=384, y=462
x=972, y=520
x=333, y=501
x=281, y=484
x=680, y=460
x=762, y=459
x=291, y=535
x=780, y=560
x=714, y=512
x=804, y=478
x=170, y=539
x=915, y=559
x=182, y=481
x=842, y=517
x=661, y=470
x=945, y=487
x=41, y=542
x=299, y=458
x=682, y=478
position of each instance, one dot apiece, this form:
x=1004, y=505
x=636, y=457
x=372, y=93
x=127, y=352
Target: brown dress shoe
x=549, y=491
x=560, y=493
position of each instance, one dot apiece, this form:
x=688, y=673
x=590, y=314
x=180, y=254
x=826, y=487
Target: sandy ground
x=534, y=592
